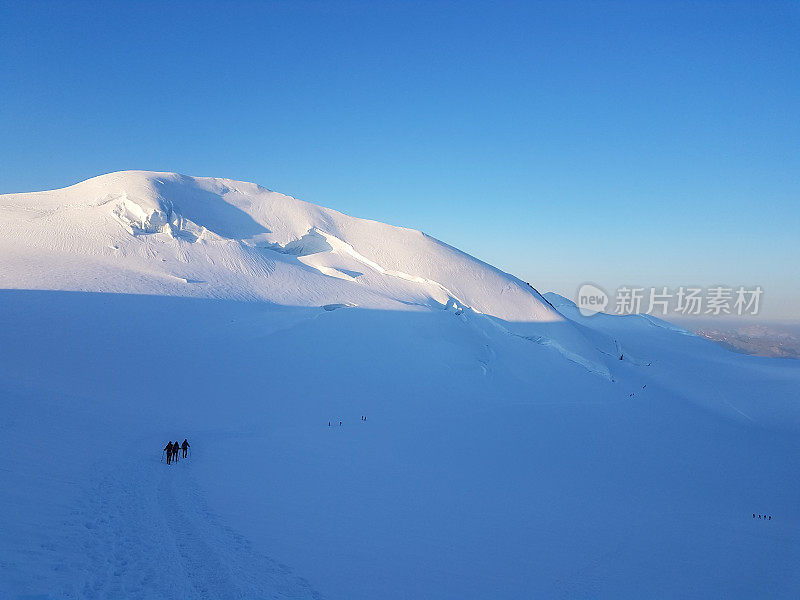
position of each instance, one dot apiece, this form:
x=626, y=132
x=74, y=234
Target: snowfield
x=512, y=449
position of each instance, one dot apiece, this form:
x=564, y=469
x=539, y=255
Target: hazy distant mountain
x=778, y=341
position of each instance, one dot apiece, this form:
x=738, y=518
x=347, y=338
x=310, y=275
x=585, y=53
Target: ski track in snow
x=140, y=545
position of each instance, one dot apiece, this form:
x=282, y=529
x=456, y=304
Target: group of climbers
x=363, y=418
x=173, y=449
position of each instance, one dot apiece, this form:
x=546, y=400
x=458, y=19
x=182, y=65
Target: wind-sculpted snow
x=167, y=234
x=164, y=224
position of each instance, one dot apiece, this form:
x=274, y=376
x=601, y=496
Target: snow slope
x=217, y=238
x=508, y=452
x=168, y=234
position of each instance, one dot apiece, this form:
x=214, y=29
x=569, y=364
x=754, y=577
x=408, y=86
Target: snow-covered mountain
x=513, y=448
x=168, y=234
x=140, y=232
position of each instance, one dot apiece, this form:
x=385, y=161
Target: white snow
x=508, y=451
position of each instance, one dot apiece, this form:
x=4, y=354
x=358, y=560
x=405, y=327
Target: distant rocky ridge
x=775, y=341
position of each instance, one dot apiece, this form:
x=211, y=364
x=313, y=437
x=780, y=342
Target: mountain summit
x=140, y=232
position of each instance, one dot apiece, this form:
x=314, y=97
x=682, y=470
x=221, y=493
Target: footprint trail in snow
x=147, y=533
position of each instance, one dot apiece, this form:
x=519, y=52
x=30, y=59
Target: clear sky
x=641, y=143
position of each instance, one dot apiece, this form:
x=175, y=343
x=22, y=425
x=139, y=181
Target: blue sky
x=640, y=143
